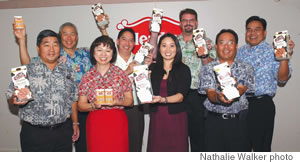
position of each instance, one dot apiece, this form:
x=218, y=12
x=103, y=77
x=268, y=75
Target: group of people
x=187, y=100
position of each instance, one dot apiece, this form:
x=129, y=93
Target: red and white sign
x=141, y=28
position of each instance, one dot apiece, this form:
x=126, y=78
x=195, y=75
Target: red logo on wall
x=141, y=28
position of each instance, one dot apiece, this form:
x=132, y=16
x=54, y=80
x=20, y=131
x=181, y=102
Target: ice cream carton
x=143, y=52
x=280, y=40
x=199, y=39
x=18, y=20
x=98, y=10
x=227, y=82
x=20, y=79
x=142, y=83
x=155, y=23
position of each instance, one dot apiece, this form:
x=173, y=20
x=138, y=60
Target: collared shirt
x=121, y=63
x=191, y=59
x=262, y=58
x=80, y=62
x=244, y=75
x=115, y=79
x=53, y=92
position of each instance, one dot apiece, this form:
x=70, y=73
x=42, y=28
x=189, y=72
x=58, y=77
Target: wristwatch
x=203, y=56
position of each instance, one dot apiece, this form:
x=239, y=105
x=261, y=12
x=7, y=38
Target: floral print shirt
x=80, y=62
x=262, y=58
x=190, y=58
x=244, y=75
x=53, y=93
x=115, y=79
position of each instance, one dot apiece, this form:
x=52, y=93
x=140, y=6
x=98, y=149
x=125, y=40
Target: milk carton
x=19, y=76
x=143, y=52
x=280, y=40
x=98, y=10
x=142, y=83
x=227, y=82
x=199, y=39
x=155, y=23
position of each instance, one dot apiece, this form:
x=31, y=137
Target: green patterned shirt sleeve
x=212, y=52
x=190, y=58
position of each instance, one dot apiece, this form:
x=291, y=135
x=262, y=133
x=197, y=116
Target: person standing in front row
x=170, y=80
x=225, y=126
x=194, y=60
x=268, y=74
x=46, y=123
x=76, y=58
x=107, y=125
x=125, y=60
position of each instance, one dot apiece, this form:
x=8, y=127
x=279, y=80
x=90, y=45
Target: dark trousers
x=196, y=120
x=46, y=139
x=226, y=135
x=261, y=123
x=136, y=126
x=80, y=144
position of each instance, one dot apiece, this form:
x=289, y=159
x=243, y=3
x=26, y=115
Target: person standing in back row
x=194, y=60
x=268, y=72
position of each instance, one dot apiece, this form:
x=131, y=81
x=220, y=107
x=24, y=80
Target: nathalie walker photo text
x=247, y=156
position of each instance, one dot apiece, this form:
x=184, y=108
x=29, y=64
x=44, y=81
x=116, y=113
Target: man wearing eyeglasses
x=194, y=60
x=225, y=125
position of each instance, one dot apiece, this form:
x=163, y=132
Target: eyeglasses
x=223, y=42
x=185, y=21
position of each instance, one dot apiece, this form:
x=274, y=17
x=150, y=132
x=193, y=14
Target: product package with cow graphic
x=143, y=52
x=98, y=10
x=142, y=83
x=199, y=39
x=227, y=82
x=280, y=40
x=155, y=23
x=20, y=79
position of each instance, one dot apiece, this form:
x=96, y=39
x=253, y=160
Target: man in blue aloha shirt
x=268, y=74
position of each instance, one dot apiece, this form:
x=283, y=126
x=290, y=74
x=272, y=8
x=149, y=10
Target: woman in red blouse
x=107, y=124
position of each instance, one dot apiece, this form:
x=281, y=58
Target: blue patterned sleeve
x=275, y=66
x=35, y=58
x=89, y=64
x=248, y=78
x=207, y=79
x=10, y=90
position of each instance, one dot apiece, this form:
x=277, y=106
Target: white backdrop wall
x=213, y=16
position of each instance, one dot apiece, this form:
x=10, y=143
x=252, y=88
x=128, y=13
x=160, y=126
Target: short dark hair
x=178, y=55
x=257, y=18
x=125, y=30
x=188, y=11
x=105, y=41
x=46, y=33
x=67, y=24
x=228, y=31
